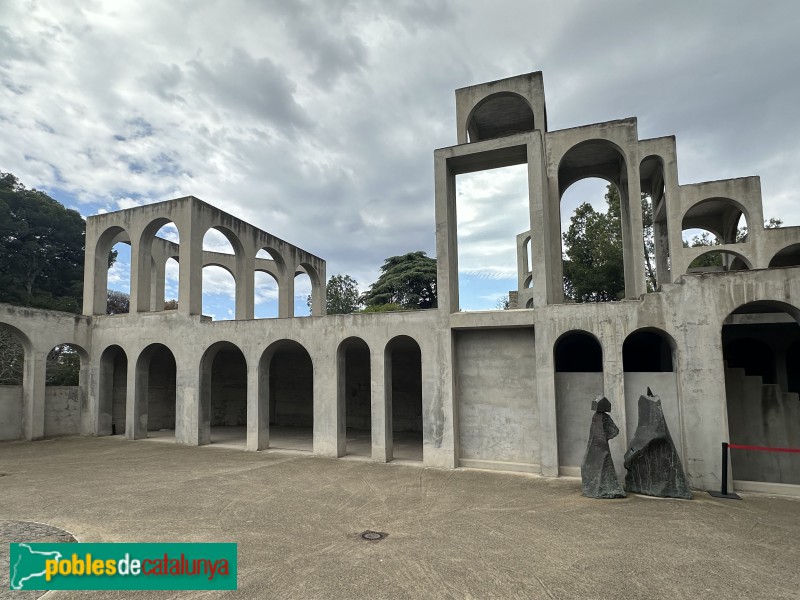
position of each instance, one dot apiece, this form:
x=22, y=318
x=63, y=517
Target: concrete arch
x=663, y=359
x=213, y=373
x=155, y=416
x=403, y=394
x=584, y=341
x=99, y=283
x=595, y=157
x=719, y=215
x=788, y=256
x=20, y=335
x=286, y=396
x=112, y=391
x=354, y=393
x=765, y=305
x=318, y=307
x=733, y=266
x=499, y=115
x=151, y=272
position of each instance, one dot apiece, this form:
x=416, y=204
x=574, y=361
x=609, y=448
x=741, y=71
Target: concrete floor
x=452, y=534
x=407, y=445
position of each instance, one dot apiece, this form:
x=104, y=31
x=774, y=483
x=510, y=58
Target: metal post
x=723, y=493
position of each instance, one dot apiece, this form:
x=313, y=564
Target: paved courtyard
x=452, y=534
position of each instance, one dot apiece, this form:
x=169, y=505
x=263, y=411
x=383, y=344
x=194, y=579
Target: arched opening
x=788, y=257
x=648, y=359
x=223, y=259
x=171, y=283
x=723, y=219
x=219, y=293
x=758, y=340
x=159, y=243
x=403, y=362
x=288, y=373
x=718, y=261
x=118, y=290
x=12, y=373
x=113, y=391
x=578, y=359
x=528, y=267
x=224, y=395
x=355, y=394
x=302, y=294
x=266, y=295
x=499, y=115
x=654, y=222
x=63, y=398
x=593, y=190
x=156, y=390
x=492, y=210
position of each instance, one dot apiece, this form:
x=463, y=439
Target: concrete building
x=505, y=389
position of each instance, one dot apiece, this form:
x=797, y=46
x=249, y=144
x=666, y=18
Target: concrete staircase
x=762, y=414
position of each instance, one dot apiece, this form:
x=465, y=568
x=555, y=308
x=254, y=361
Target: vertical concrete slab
x=33, y=394
x=446, y=235
x=381, y=400
x=257, y=408
x=546, y=397
x=439, y=429
x=328, y=418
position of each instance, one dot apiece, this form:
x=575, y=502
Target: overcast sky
x=317, y=121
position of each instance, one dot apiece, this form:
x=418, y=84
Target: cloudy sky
x=317, y=121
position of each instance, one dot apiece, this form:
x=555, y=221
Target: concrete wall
x=496, y=396
x=62, y=411
x=118, y=393
x=229, y=390
x=291, y=389
x=357, y=390
x=10, y=412
x=161, y=392
x=663, y=385
x=574, y=395
x=407, y=390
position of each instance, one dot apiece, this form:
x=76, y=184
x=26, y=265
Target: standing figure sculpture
x=597, y=470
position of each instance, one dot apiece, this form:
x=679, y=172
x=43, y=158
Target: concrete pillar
x=446, y=236
x=88, y=406
x=187, y=403
x=158, y=273
x=136, y=399
x=140, y=279
x=328, y=418
x=614, y=390
x=381, y=400
x=191, y=273
x=546, y=399
x=319, y=300
x=286, y=293
x=245, y=286
x=661, y=243
x=257, y=407
x=632, y=233
x=33, y=388
x=556, y=279
x=545, y=249
x=439, y=426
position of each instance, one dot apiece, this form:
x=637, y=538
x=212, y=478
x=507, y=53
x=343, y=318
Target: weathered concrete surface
x=453, y=534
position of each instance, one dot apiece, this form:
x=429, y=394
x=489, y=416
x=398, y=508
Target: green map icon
x=27, y=567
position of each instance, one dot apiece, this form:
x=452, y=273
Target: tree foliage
x=342, y=295
x=118, y=303
x=408, y=281
x=593, y=267
x=41, y=249
x=63, y=366
x=12, y=358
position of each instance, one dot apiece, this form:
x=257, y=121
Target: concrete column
x=191, y=274
x=632, y=233
x=245, y=286
x=90, y=275
x=158, y=273
x=381, y=399
x=439, y=427
x=257, y=408
x=33, y=378
x=136, y=400
x=319, y=300
x=446, y=235
x=555, y=263
x=341, y=400
x=87, y=403
x=328, y=418
x=546, y=399
x=140, y=279
x=661, y=243
x=187, y=404
x=614, y=390
x=286, y=293
x=545, y=249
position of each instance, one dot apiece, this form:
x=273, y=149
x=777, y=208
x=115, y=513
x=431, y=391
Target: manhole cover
x=373, y=536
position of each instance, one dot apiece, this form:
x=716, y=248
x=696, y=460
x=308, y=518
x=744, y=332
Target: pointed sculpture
x=654, y=467
x=597, y=471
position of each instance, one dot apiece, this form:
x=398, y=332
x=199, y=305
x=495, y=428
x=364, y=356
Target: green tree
x=41, y=249
x=12, y=358
x=593, y=266
x=408, y=281
x=118, y=303
x=63, y=366
x=341, y=295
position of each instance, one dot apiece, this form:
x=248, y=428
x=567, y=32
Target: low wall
x=10, y=412
x=61, y=411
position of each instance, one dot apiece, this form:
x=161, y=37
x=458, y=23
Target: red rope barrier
x=764, y=448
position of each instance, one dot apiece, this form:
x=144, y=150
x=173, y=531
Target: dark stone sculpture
x=654, y=467
x=597, y=471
